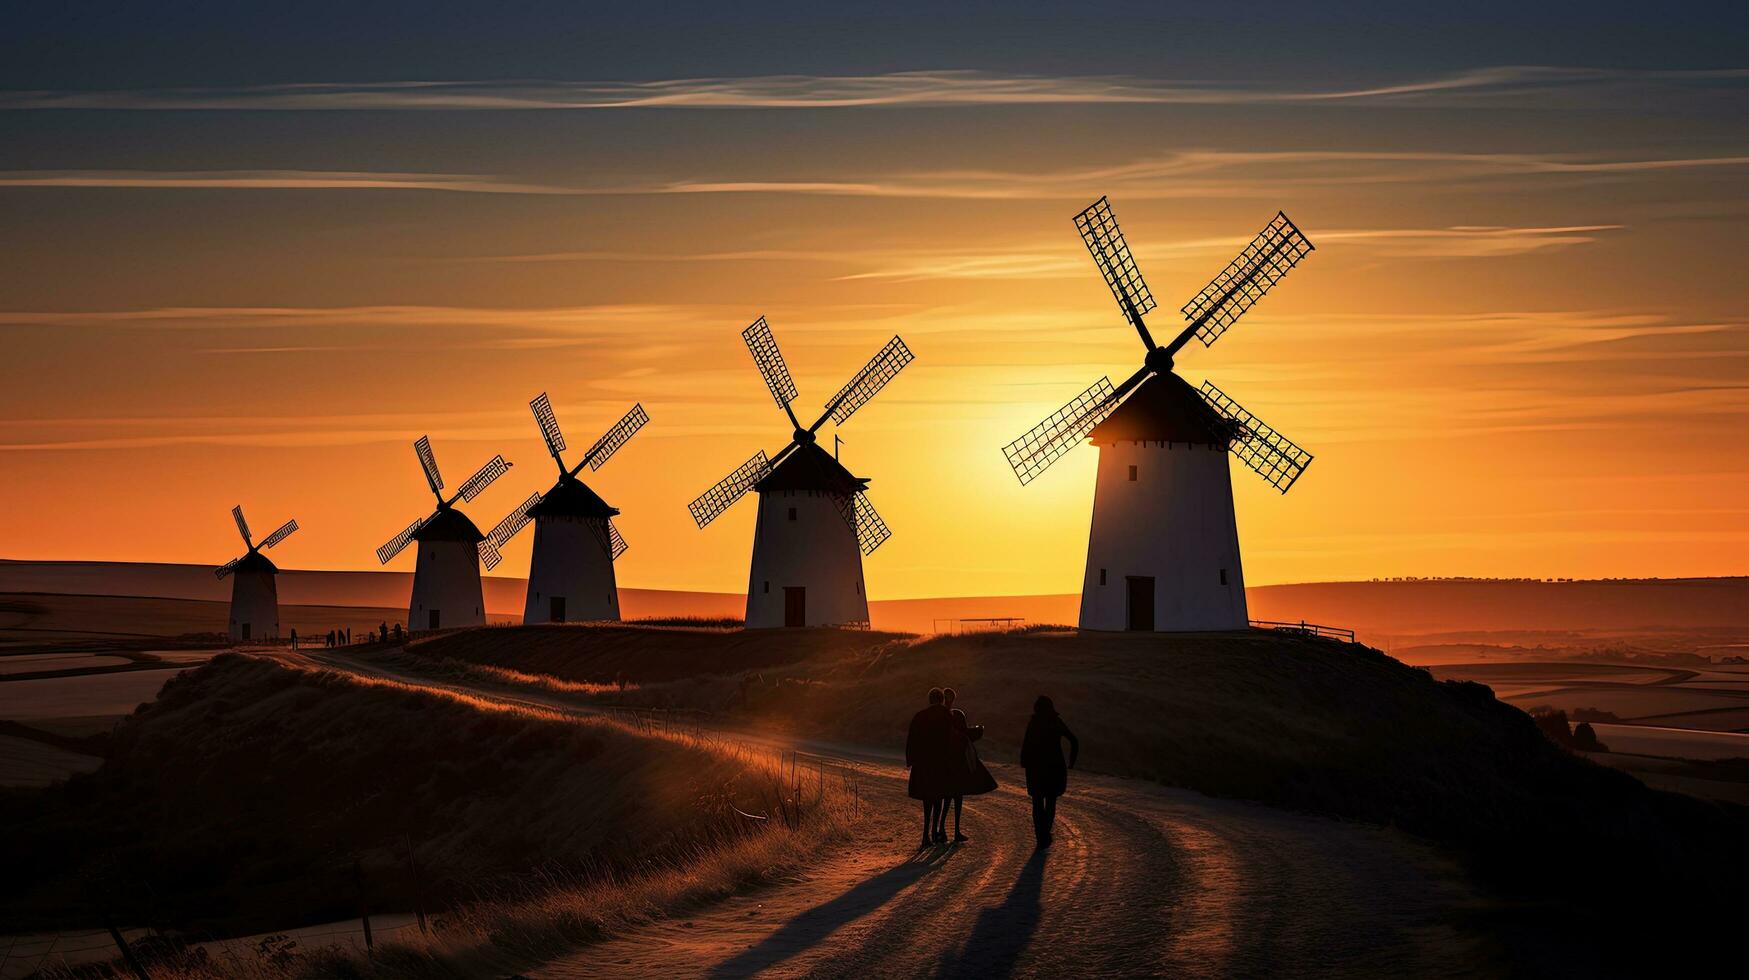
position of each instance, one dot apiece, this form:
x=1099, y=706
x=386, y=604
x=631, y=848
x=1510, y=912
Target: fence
x=977, y=624
x=1306, y=629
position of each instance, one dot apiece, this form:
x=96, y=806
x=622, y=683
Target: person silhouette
x=397, y=632
x=926, y=753
x=384, y=633
x=969, y=776
x=294, y=638
x=1041, y=755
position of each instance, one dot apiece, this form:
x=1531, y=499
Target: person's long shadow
x=813, y=926
x=1002, y=932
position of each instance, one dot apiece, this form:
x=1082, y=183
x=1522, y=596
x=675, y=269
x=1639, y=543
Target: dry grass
x=238, y=802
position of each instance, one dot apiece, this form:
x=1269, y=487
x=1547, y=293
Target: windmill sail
x=226, y=569
x=399, y=542
x=428, y=463
x=549, y=424
x=871, y=531
x=869, y=381
x=280, y=534
x=1044, y=443
x=483, y=478
x=1274, y=456
x=763, y=346
x=611, y=441
x=1270, y=256
x=729, y=489
x=242, y=525
x=1111, y=253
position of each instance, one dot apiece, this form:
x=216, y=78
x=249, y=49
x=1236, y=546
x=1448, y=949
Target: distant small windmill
x=254, y=593
x=446, y=572
x=815, y=522
x=570, y=575
x=1163, y=553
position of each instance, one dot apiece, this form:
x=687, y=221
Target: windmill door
x=434, y=619
x=795, y=605
x=245, y=631
x=1140, y=605
x=555, y=609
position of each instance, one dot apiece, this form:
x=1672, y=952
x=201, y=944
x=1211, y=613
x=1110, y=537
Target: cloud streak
x=1190, y=174
x=913, y=89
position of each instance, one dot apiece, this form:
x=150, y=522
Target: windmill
x=254, y=595
x=446, y=573
x=1163, y=552
x=815, y=522
x=575, y=543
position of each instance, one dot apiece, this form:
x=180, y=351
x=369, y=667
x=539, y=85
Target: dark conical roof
x=1165, y=408
x=571, y=497
x=255, y=561
x=811, y=468
x=449, y=524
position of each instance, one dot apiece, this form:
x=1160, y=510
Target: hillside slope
x=241, y=797
x=1303, y=723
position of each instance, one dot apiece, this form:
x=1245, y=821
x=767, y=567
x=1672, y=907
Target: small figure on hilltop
x=968, y=775
x=1041, y=755
x=384, y=632
x=928, y=745
x=294, y=638
x=397, y=632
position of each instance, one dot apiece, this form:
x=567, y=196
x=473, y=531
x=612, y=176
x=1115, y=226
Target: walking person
x=927, y=747
x=1041, y=755
x=294, y=639
x=969, y=775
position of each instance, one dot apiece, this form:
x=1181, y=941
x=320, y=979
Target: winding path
x=1143, y=880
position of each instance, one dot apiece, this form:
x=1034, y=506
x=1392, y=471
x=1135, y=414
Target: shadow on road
x=1002, y=932
x=813, y=926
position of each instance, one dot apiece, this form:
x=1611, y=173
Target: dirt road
x=1143, y=880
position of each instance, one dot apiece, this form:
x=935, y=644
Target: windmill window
x=792, y=513
x=1223, y=576
x=1102, y=576
x=1132, y=474
x=767, y=589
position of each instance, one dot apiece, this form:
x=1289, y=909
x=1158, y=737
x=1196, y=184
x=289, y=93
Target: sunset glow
x=1519, y=348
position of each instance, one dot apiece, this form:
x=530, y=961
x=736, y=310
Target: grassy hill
x=1304, y=723
x=240, y=799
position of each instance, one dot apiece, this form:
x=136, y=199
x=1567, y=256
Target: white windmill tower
x=1163, y=553
x=254, y=594
x=570, y=576
x=446, y=574
x=815, y=522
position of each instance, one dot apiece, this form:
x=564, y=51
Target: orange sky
x=1519, y=349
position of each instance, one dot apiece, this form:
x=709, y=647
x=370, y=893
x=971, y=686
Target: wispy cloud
x=918, y=89
x=278, y=180
x=1190, y=174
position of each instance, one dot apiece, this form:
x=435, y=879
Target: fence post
x=363, y=909
x=127, y=955
x=418, y=885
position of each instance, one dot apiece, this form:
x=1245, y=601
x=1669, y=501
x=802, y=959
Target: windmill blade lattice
x=513, y=522
x=1044, y=443
x=549, y=424
x=477, y=484
x=428, y=463
x=860, y=514
x=710, y=504
x=399, y=542
x=280, y=534
x=1274, y=456
x=242, y=525
x=226, y=569
x=1099, y=230
x=868, y=382
x=611, y=441
x=1271, y=255
x=616, y=545
x=763, y=346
